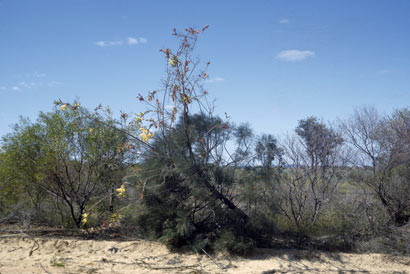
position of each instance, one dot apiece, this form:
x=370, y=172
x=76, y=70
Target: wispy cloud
x=284, y=21
x=29, y=85
x=31, y=75
x=383, y=72
x=31, y=81
x=138, y=40
x=39, y=75
x=214, y=80
x=132, y=41
x=143, y=40
x=294, y=55
x=108, y=43
x=53, y=84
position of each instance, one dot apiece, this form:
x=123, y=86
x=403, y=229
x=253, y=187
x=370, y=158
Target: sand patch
x=60, y=255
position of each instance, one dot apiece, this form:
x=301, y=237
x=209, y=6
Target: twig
x=122, y=248
x=212, y=259
x=142, y=263
x=198, y=257
x=32, y=248
x=34, y=244
x=147, y=265
x=48, y=272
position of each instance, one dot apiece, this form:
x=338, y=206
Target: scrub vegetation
x=181, y=174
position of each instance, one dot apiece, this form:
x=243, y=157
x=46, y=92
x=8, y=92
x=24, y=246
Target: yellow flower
x=90, y=130
x=187, y=99
x=145, y=135
x=140, y=117
x=121, y=191
x=84, y=218
x=173, y=61
x=64, y=107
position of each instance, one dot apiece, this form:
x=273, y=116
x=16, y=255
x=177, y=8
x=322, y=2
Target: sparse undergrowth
x=179, y=173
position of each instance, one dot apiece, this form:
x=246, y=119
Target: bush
x=65, y=159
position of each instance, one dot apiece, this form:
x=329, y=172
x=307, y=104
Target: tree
x=267, y=151
x=318, y=140
x=188, y=170
x=68, y=156
x=315, y=158
x=382, y=147
x=397, y=189
x=18, y=169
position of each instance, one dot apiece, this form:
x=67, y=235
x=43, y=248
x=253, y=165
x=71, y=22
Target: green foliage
x=202, y=183
x=56, y=263
x=230, y=241
x=67, y=156
x=18, y=168
x=267, y=150
x=183, y=207
x=319, y=139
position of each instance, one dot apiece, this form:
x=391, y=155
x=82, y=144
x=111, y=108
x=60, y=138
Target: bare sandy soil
x=20, y=253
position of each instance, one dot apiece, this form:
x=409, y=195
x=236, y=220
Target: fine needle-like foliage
x=188, y=173
x=181, y=174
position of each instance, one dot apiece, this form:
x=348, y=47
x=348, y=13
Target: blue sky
x=273, y=62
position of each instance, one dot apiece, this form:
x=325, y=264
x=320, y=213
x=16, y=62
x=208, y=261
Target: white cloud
x=29, y=85
x=24, y=84
x=294, y=55
x=132, y=41
x=383, y=71
x=284, y=21
x=108, y=43
x=33, y=75
x=54, y=84
x=39, y=75
x=143, y=40
x=100, y=43
x=216, y=79
x=135, y=41
x=28, y=81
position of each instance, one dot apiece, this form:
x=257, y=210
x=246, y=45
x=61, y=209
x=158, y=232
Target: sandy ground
x=25, y=254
